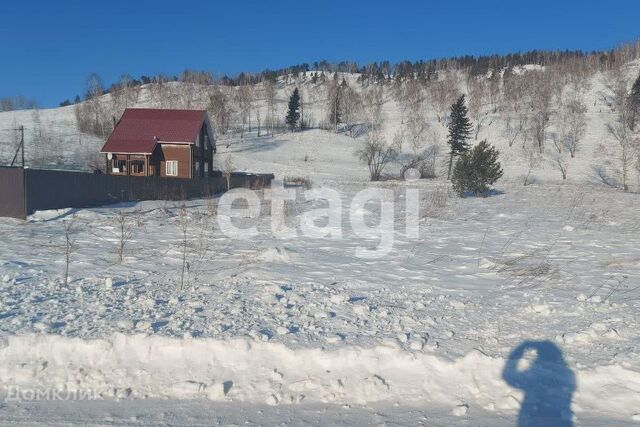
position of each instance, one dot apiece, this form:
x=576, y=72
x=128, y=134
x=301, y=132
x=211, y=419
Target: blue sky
x=49, y=47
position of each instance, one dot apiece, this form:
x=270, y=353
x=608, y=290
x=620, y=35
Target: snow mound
x=139, y=366
x=277, y=254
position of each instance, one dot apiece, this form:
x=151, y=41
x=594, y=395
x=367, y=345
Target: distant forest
x=541, y=110
x=377, y=71
x=384, y=70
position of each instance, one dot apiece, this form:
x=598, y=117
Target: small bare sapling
x=69, y=245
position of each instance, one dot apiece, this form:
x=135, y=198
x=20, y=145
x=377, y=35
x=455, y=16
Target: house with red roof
x=158, y=142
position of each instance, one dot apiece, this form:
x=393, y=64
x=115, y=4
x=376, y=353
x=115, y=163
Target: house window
x=119, y=166
x=137, y=167
x=172, y=167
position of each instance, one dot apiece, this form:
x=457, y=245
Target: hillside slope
x=276, y=327
x=53, y=138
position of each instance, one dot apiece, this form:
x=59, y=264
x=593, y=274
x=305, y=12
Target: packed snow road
x=162, y=412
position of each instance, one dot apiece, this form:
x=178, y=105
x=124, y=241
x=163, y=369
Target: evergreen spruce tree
x=476, y=170
x=293, y=114
x=460, y=130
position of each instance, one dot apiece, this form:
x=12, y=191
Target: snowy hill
x=267, y=329
x=50, y=132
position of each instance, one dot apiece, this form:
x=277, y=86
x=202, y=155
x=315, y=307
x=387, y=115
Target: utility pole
x=20, y=147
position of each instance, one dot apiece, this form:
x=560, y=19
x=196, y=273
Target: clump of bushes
x=475, y=171
x=298, y=181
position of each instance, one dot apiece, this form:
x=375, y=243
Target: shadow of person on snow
x=547, y=382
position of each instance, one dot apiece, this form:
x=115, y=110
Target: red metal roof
x=140, y=129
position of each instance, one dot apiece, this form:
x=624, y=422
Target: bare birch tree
x=193, y=89
x=185, y=220
x=478, y=93
x=375, y=151
x=333, y=108
x=270, y=100
x=124, y=94
x=373, y=103
x=376, y=154
x=515, y=128
x=572, y=124
x=242, y=100
x=219, y=108
x=160, y=92
x=69, y=245
x=443, y=92
x=514, y=87
x=125, y=222
x=619, y=128
x=351, y=106
x=540, y=96
x=532, y=159
x=90, y=114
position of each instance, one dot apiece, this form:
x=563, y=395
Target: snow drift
x=139, y=366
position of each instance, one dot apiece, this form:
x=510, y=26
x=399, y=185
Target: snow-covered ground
x=295, y=330
x=269, y=330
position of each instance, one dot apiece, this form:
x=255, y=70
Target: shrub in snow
x=377, y=155
x=477, y=170
x=297, y=181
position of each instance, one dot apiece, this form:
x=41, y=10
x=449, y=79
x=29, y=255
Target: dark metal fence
x=24, y=191
x=12, y=192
